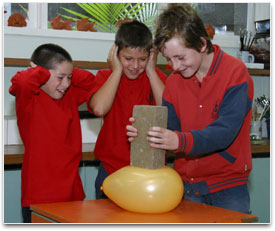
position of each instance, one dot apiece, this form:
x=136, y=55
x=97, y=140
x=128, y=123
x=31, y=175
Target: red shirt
x=51, y=133
x=112, y=146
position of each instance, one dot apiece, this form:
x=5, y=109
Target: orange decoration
x=58, y=24
x=84, y=25
x=119, y=21
x=210, y=30
x=17, y=20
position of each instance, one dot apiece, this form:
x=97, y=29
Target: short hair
x=182, y=21
x=49, y=55
x=134, y=34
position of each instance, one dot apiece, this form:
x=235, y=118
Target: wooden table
x=105, y=211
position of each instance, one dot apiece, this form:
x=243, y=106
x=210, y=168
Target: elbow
x=98, y=108
x=98, y=111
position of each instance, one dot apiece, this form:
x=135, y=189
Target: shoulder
x=229, y=66
x=104, y=72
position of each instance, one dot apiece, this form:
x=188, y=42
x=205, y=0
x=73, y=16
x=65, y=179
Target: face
x=134, y=61
x=59, y=81
x=186, y=61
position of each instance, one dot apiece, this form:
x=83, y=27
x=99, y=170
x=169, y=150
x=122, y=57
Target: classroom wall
x=21, y=46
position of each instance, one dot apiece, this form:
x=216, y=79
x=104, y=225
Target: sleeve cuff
x=185, y=142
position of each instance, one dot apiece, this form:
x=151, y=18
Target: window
x=223, y=16
x=227, y=18
x=105, y=15
x=11, y=8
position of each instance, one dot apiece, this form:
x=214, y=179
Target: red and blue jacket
x=212, y=121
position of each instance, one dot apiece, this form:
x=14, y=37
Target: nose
x=175, y=65
x=135, y=63
x=66, y=82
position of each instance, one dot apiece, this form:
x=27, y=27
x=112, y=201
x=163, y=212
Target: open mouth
x=61, y=91
x=134, y=72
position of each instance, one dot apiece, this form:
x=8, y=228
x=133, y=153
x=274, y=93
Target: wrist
x=151, y=72
x=117, y=71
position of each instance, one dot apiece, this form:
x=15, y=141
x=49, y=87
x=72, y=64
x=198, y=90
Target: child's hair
x=182, y=21
x=134, y=34
x=49, y=55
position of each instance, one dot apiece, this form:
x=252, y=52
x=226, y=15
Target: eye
x=70, y=77
x=128, y=58
x=181, y=58
x=60, y=77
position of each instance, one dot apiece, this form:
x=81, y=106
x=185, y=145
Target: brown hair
x=134, y=34
x=182, y=21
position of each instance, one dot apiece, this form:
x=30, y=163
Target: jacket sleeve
x=27, y=83
x=82, y=82
x=219, y=134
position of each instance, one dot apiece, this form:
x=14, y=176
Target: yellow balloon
x=145, y=190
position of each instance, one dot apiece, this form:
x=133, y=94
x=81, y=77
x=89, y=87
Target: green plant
x=23, y=8
x=106, y=15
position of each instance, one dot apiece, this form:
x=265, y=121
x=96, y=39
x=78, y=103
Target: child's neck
x=205, y=66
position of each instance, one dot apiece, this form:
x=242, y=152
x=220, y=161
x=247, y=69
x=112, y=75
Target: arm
x=102, y=101
x=28, y=82
x=156, y=83
x=222, y=132
x=82, y=81
x=218, y=135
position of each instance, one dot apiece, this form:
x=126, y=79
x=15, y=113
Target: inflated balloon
x=144, y=190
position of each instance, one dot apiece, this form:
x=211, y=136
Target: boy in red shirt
x=132, y=80
x=209, y=98
x=47, y=98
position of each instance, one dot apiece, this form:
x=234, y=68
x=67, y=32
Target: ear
x=204, y=47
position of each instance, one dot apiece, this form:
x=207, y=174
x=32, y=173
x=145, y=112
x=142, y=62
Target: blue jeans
x=236, y=198
x=101, y=175
x=26, y=212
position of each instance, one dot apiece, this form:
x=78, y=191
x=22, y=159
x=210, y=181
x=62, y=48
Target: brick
x=142, y=155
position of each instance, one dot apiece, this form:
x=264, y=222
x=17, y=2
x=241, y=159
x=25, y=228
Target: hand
x=163, y=138
x=153, y=57
x=113, y=59
x=131, y=131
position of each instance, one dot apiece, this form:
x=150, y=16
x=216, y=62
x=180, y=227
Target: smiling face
x=186, y=61
x=134, y=61
x=59, y=81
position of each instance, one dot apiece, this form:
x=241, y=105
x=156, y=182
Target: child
x=209, y=100
x=132, y=80
x=47, y=98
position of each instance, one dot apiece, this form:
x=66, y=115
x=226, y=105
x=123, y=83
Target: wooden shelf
x=265, y=72
x=12, y=62
x=14, y=153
